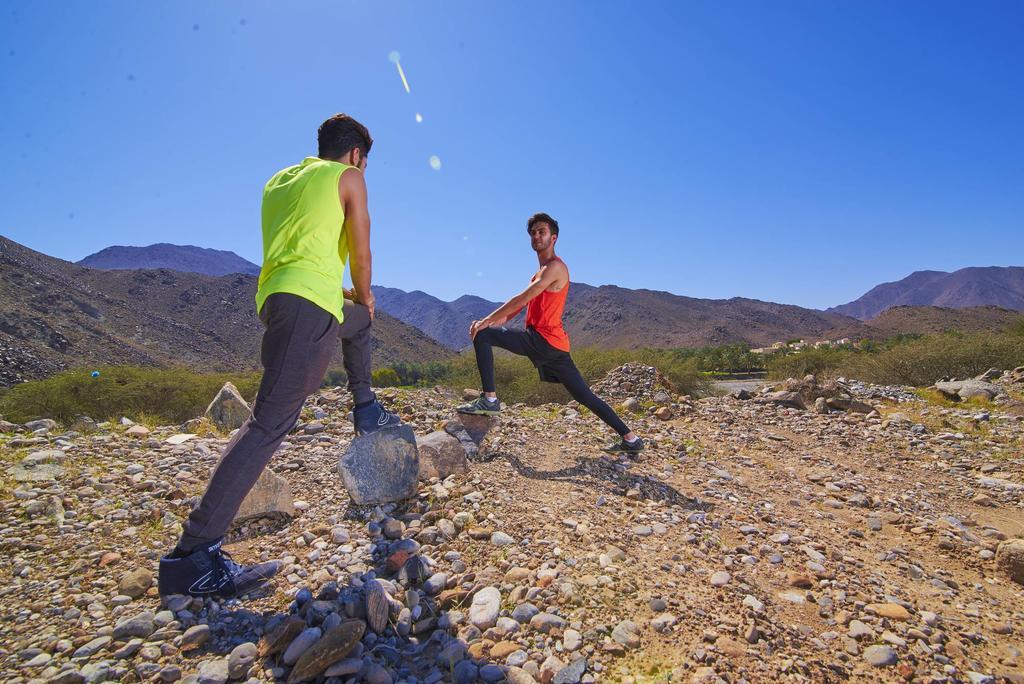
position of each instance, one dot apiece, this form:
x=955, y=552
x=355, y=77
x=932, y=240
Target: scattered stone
x=627, y=633
x=333, y=646
x=194, y=637
x=720, y=578
x=483, y=612
x=213, y=671
x=571, y=673
x=241, y=659
x=300, y=645
x=893, y=611
x=141, y=625
x=276, y=640
x=501, y=539
x=546, y=622
x=880, y=656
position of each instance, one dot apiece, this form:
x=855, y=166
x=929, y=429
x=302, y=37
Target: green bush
x=386, y=377
x=798, y=364
x=907, y=360
x=924, y=361
x=335, y=377
x=1016, y=329
x=172, y=395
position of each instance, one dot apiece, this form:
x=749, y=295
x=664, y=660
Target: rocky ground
x=751, y=542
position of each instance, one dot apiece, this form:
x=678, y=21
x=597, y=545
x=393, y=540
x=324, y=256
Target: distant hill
x=1001, y=286
x=446, y=322
x=56, y=315
x=926, y=320
x=184, y=258
x=610, y=316
x=619, y=317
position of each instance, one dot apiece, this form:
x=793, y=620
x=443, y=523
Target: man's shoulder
x=557, y=264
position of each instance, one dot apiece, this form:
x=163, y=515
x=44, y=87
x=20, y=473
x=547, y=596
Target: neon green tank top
x=305, y=248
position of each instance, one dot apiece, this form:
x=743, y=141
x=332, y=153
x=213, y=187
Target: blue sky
x=799, y=152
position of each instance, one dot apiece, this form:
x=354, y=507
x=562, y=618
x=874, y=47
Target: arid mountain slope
x=975, y=286
x=924, y=320
x=56, y=315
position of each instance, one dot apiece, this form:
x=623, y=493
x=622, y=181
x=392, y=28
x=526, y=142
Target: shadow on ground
x=601, y=475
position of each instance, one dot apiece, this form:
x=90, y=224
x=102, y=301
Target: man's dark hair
x=339, y=135
x=541, y=217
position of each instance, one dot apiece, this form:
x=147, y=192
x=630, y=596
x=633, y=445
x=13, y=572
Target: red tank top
x=544, y=314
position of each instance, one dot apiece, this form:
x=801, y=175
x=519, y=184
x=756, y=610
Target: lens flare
x=419, y=118
x=401, y=73
x=435, y=162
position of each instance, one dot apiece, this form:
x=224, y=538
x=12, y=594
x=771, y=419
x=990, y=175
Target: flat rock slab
x=381, y=467
x=45, y=456
x=783, y=398
x=42, y=472
x=968, y=389
x=179, y=438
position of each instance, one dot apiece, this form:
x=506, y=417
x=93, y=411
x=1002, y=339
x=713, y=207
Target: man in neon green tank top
x=315, y=219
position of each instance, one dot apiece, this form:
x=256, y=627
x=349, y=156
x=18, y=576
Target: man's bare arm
x=549, y=275
x=352, y=193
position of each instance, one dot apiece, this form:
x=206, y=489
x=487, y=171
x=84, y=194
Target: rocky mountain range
x=56, y=315
x=1001, y=286
x=611, y=316
x=446, y=322
x=185, y=258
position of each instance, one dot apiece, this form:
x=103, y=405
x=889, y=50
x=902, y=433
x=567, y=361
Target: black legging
x=554, y=365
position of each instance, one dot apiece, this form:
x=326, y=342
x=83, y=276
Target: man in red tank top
x=544, y=341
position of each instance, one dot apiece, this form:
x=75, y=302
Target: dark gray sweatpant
x=297, y=347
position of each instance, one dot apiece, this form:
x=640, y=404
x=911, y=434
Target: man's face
x=540, y=236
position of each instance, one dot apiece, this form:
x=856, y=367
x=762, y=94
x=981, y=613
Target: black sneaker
x=624, y=447
x=481, y=406
x=209, y=571
x=374, y=417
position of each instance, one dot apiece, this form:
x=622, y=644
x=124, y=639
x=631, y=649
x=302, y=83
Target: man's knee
x=484, y=337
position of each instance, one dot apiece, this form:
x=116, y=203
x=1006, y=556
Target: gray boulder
x=382, y=466
x=441, y=455
x=228, y=410
x=960, y=390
